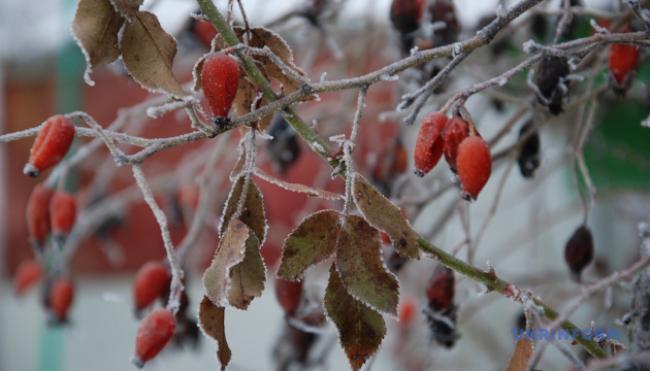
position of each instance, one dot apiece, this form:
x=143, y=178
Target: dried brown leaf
x=384, y=215
x=521, y=355
x=252, y=214
x=212, y=321
x=230, y=252
x=361, y=268
x=361, y=329
x=95, y=27
x=196, y=73
x=128, y=8
x=312, y=242
x=148, y=53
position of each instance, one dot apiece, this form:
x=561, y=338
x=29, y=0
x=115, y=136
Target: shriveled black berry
x=550, y=78
x=444, y=11
x=579, y=250
x=539, y=27
x=529, y=154
x=284, y=149
x=405, y=15
x=442, y=326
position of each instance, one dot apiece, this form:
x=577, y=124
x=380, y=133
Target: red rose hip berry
x=51, y=145
x=38, y=215
x=623, y=61
x=429, y=143
x=155, y=331
x=405, y=15
x=63, y=213
x=474, y=165
x=28, y=273
x=220, y=79
x=456, y=131
x=60, y=299
x=289, y=294
x=151, y=282
x=441, y=290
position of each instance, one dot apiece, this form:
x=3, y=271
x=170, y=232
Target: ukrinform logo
x=596, y=334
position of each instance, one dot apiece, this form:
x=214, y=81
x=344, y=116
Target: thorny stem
x=176, y=287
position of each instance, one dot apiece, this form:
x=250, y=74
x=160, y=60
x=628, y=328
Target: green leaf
x=247, y=278
x=212, y=322
x=312, y=242
x=95, y=27
x=252, y=214
x=384, y=215
x=361, y=329
x=148, y=53
x=361, y=268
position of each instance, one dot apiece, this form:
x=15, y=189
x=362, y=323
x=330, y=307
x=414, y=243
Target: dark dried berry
x=289, y=294
x=444, y=11
x=406, y=14
x=529, y=154
x=440, y=291
x=284, y=149
x=442, y=326
x=551, y=81
x=396, y=262
x=579, y=250
x=539, y=27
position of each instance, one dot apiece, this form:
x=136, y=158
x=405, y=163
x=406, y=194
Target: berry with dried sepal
x=154, y=332
x=474, y=164
x=151, y=282
x=289, y=294
x=552, y=83
x=38, y=215
x=529, y=153
x=623, y=61
x=429, y=144
x=284, y=149
x=579, y=250
x=63, y=214
x=29, y=272
x=60, y=298
x=51, y=145
x=440, y=291
x=405, y=15
x=456, y=131
x=220, y=79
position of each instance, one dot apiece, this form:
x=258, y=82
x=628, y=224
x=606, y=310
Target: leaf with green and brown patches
x=312, y=242
x=361, y=329
x=252, y=214
x=95, y=27
x=148, y=53
x=212, y=322
x=384, y=215
x=361, y=268
x=128, y=8
x=230, y=252
x=247, y=278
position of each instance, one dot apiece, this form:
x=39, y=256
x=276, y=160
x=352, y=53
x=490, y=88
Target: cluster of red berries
x=50, y=211
x=465, y=151
x=220, y=80
x=51, y=145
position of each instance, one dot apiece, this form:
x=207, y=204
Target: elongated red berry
x=579, y=250
x=60, y=298
x=51, y=145
x=204, y=31
x=429, y=143
x=150, y=283
x=220, y=78
x=441, y=290
x=474, y=164
x=407, y=312
x=155, y=331
x=29, y=272
x=456, y=131
x=623, y=61
x=400, y=160
x=406, y=14
x=63, y=213
x=38, y=214
x=289, y=294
